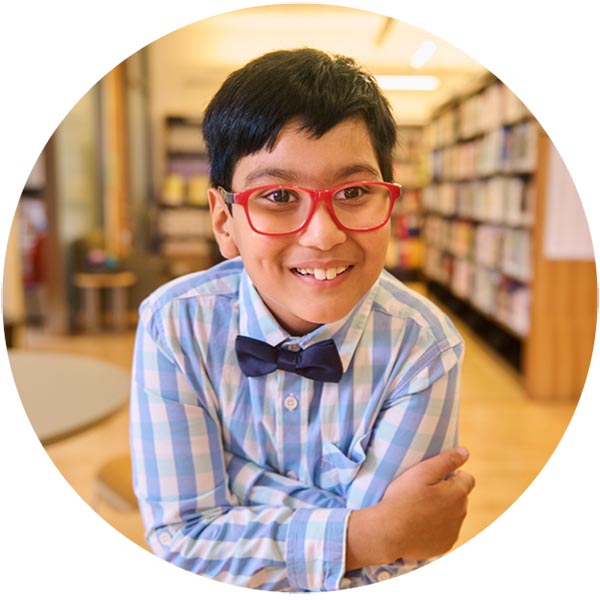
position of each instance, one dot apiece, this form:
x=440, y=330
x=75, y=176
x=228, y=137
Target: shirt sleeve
x=418, y=420
x=192, y=517
x=255, y=485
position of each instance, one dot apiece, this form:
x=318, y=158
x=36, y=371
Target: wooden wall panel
x=563, y=313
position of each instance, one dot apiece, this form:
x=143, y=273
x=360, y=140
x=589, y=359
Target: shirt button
x=290, y=403
x=292, y=475
x=294, y=347
x=164, y=538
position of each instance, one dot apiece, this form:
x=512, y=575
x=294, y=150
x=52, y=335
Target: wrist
x=368, y=542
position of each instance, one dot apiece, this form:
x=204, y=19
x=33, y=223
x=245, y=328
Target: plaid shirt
x=251, y=481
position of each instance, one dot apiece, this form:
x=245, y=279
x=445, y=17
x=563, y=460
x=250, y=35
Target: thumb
x=439, y=467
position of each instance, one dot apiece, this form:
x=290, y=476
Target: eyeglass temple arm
x=228, y=197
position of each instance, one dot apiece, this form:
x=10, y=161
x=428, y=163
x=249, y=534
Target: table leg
x=119, y=308
x=91, y=299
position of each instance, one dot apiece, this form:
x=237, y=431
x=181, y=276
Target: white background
x=565, y=227
x=54, y=546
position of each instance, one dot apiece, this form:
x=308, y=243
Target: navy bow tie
x=321, y=361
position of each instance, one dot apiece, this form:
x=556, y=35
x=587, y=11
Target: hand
x=418, y=517
x=427, y=504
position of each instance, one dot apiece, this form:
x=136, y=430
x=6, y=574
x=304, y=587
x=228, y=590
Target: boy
x=279, y=398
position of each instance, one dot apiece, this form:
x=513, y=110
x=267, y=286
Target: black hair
x=315, y=87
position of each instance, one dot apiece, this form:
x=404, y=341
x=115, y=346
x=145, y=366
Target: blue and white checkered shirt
x=251, y=481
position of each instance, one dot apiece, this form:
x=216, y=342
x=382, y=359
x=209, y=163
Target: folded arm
x=418, y=422
x=193, y=519
x=255, y=485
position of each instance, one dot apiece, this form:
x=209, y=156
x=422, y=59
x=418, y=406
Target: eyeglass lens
x=281, y=209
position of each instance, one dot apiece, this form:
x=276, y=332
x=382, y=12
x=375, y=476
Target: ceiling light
x=422, y=54
x=408, y=83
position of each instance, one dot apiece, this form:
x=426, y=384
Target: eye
x=275, y=199
x=279, y=196
x=351, y=192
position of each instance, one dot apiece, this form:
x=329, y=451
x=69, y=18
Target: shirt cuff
x=316, y=548
x=242, y=475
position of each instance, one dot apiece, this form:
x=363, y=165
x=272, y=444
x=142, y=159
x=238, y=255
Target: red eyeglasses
x=284, y=209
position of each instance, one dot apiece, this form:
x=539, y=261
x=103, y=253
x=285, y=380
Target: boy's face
x=300, y=302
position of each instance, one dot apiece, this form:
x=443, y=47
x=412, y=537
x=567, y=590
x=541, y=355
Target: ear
x=222, y=224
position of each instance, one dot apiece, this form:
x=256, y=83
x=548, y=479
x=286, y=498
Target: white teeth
x=323, y=274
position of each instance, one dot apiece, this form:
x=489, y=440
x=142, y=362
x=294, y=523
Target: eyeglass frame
x=316, y=196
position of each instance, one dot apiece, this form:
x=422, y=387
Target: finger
x=465, y=480
x=436, y=468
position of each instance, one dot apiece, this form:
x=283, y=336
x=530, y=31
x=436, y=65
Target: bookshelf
x=483, y=224
x=405, y=250
x=183, y=227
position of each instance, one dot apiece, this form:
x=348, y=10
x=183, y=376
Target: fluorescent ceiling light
x=423, y=53
x=408, y=83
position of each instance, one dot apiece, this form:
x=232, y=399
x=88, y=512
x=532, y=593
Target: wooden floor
x=510, y=437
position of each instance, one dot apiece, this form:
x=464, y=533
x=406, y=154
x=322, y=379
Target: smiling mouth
x=323, y=274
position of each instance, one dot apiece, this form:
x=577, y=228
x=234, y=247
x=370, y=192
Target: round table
x=65, y=393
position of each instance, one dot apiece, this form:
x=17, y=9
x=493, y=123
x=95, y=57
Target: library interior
x=489, y=227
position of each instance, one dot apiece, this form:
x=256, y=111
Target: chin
x=326, y=316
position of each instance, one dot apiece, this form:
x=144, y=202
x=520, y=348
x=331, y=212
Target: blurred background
x=490, y=227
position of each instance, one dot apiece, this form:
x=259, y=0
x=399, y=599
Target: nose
x=322, y=231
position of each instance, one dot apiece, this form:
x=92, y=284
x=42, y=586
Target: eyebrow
x=358, y=168
x=274, y=172
x=294, y=177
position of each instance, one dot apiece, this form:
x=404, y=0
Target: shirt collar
x=256, y=321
